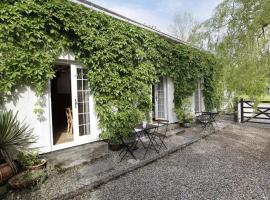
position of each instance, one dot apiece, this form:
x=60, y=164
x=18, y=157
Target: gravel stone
x=233, y=164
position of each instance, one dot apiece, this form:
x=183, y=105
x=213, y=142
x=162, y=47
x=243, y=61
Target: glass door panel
x=83, y=93
x=81, y=105
x=160, y=101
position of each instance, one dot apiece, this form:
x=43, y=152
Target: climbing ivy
x=122, y=60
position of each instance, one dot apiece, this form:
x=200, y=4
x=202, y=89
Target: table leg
x=151, y=143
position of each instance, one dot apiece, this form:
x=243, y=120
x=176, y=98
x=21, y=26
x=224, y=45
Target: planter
x=114, y=147
x=186, y=125
x=42, y=165
x=3, y=189
x=5, y=172
x=27, y=178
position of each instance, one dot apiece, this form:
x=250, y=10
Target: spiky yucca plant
x=14, y=136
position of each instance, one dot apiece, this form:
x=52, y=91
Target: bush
x=15, y=136
x=184, y=114
x=28, y=158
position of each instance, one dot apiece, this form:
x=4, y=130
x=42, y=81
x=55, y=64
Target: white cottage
x=69, y=93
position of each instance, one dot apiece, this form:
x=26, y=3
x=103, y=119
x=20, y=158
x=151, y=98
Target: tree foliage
x=238, y=33
x=183, y=25
x=122, y=60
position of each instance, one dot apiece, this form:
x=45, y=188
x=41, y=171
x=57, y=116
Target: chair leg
x=162, y=142
x=141, y=142
x=146, y=150
x=123, y=156
x=152, y=142
x=127, y=149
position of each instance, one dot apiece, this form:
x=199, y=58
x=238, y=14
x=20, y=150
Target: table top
x=140, y=127
x=207, y=113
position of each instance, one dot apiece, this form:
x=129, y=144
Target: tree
x=238, y=33
x=183, y=25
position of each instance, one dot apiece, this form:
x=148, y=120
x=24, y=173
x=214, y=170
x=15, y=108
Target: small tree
x=14, y=136
x=183, y=26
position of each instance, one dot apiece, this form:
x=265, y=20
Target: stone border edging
x=116, y=174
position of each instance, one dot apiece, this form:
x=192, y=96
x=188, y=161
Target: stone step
x=77, y=155
x=87, y=153
x=174, y=132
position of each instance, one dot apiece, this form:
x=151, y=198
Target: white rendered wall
x=24, y=102
x=25, y=106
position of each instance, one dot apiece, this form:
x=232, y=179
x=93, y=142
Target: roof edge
x=124, y=18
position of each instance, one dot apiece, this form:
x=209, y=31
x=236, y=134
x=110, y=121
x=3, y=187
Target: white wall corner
x=67, y=55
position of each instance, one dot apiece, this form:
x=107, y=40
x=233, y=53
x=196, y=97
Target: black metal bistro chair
x=129, y=145
x=207, y=119
x=161, y=133
x=147, y=132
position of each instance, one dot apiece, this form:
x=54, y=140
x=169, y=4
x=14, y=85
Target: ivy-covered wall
x=122, y=60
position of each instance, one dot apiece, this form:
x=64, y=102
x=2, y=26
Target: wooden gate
x=260, y=115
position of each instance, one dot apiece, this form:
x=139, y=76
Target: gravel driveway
x=232, y=164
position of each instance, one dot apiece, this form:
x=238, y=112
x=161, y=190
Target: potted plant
x=114, y=143
x=31, y=160
x=14, y=136
x=27, y=178
x=184, y=114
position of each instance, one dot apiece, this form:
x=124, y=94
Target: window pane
x=85, y=85
x=86, y=118
x=80, y=96
x=81, y=119
x=86, y=107
x=79, y=85
x=79, y=73
x=87, y=129
x=84, y=74
x=80, y=107
x=81, y=130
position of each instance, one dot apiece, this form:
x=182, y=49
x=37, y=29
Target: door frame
x=77, y=140
x=165, y=99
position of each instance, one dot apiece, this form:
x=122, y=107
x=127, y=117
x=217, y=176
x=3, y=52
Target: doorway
x=61, y=101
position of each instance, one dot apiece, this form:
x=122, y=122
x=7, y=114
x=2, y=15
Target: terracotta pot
x=42, y=165
x=5, y=172
x=3, y=189
x=19, y=182
x=114, y=147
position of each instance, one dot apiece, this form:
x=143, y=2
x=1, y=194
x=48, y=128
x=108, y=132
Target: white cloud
x=140, y=14
x=161, y=14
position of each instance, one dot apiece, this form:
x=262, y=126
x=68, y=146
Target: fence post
x=236, y=111
x=242, y=110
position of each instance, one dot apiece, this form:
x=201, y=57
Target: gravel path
x=233, y=164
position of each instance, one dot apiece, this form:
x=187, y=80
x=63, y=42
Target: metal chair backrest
x=162, y=123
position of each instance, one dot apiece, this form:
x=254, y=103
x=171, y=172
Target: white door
x=80, y=105
x=160, y=99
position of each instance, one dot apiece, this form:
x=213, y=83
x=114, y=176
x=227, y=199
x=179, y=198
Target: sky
x=160, y=13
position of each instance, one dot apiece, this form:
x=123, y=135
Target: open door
x=61, y=103
x=80, y=105
x=160, y=99
x=70, y=107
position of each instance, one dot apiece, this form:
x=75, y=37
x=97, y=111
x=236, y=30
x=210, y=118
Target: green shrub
x=15, y=136
x=122, y=60
x=184, y=113
x=28, y=158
